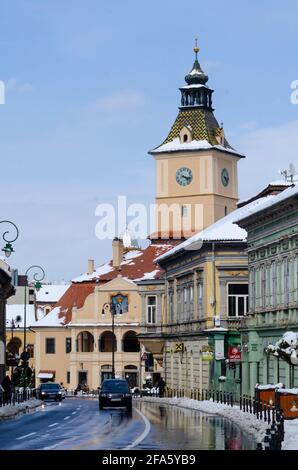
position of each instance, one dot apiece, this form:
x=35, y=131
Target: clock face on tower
x=184, y=176
x=225, y=178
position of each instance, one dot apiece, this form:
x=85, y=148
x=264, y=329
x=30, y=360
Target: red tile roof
x=137, y=265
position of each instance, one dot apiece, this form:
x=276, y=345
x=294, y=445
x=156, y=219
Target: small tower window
x=185, y=134
x=226, y=210
x=183, y=211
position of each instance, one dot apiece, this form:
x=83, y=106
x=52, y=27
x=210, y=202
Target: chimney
x=90, y=266
x=117, y=252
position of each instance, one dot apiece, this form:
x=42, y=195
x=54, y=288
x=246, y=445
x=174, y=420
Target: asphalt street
x=77, y=424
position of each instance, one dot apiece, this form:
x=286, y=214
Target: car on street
x=49, y=391
x=115, y=392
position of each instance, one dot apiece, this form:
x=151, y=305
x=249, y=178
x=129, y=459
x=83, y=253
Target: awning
x=49, y=374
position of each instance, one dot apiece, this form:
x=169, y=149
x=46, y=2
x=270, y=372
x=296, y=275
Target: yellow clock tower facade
x=196, y=168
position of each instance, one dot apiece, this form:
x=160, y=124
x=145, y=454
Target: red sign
x=234, y=355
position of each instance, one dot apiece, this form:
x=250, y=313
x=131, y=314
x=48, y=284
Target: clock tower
x=196, y=167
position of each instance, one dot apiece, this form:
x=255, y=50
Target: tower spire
x=196, y=49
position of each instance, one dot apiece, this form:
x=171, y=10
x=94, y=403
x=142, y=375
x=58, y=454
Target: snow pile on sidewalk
x=10, y=411
x=291, y=435
x=246, y=421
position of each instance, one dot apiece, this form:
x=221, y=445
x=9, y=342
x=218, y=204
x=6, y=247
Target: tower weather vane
x=196, y=48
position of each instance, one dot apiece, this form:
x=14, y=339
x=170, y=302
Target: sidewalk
x=10, y=411
x=246, y=421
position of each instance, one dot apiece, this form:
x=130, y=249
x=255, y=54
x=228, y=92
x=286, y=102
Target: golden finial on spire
x=196, y=48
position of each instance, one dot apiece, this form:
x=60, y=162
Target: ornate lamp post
x=38, y=276
x=8, y=248
x=113, y=313
x=6, y=290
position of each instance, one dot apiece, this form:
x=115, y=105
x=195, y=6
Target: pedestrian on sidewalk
x=161, y=387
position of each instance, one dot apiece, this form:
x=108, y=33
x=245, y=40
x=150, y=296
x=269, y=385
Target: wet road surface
x=77, y=424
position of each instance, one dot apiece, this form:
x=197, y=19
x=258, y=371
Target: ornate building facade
x=273, y=285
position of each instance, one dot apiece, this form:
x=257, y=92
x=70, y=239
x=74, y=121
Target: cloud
x=14, y=85
x=267, y=151
x=120, y=100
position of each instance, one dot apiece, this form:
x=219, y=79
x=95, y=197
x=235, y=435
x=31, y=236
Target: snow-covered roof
x=224, y=229
x=104, y=269
x=17, y=310
x=51, y=292
x=176, y=145
x=194, y=85
x=51, y=319
x=271, y=201
x=5, y=266
x=136, y=265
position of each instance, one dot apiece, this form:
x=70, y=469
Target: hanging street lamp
x=8, y=248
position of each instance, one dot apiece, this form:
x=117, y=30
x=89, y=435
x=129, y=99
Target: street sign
x=234, y=355
x=179, y=347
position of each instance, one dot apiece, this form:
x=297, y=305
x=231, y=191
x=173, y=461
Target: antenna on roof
x=288, y=174
x=292, y=172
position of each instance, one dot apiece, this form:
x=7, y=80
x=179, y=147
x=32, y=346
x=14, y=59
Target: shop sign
x=179, y=347
x=234, y=355
x=207, y=353
x=219, y=349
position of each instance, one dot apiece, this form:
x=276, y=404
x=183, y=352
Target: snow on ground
x=291, y=435
x=10, y=411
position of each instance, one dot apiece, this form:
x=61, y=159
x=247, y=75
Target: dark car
x=49, y=391
x=115, y=392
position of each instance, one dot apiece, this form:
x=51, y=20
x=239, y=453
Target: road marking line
x=26, y=435
x=144, y=433
x=67, y=417
x=54, y=424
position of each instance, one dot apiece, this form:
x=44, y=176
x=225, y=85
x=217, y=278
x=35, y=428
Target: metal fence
x=16, y=397
x=263, y=411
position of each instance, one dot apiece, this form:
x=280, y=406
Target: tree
x=286, y=348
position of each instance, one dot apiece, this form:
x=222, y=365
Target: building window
x=191, y=293
x=200, y=300
x=274, y=284
x=67, y=345
x=183, y=211
x=30, y=350
x=263, y=286
x=185, y=294
x=47, y=310
x=130, y=342
x=151, y=309
x=85, y=342
x=68, y=377
x=50, y=345
x=226, y=210
x=237, y=300
x=171, y=307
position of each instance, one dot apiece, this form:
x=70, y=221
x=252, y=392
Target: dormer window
x=185, y=135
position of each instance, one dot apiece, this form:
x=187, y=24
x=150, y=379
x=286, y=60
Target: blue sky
x=92, y=86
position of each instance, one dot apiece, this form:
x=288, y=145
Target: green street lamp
x=38, y=276
x=8, y=248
